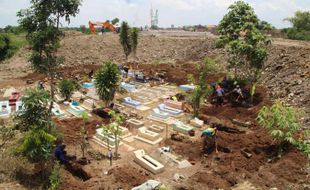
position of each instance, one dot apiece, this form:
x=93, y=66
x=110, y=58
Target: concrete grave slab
x=171, y=159
x=182, y=128
x=134, y=123
x=156, y=128
x=148, y=162
x=88, y=104
x=148, y=136
x=5, y=109
x=196, y=122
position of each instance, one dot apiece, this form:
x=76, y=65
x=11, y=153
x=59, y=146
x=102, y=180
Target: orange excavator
x=107, y=25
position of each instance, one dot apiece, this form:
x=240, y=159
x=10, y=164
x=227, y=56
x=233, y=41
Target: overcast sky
x=177, y=12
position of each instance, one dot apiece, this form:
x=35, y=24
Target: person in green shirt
x=209, y=140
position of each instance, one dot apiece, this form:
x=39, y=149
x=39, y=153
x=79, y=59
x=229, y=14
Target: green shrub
x=67, y=87
x=282, y=123
x=55, y=177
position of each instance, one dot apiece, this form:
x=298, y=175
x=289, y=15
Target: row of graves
x=152, y=116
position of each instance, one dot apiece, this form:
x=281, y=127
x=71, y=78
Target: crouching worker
x=209, y=140
x=61, y=154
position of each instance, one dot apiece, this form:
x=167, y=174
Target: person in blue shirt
x=60, y=154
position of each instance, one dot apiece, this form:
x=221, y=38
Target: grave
x=196, y=122
x=131, y=103
x=187, y=87
x=88, y=104
x=148, y=136
x=174, y=104
x=156, y=128
x=171, y=159
x=171, y=111
x=58, y=112
x=128, y=87
x=157, y=113
x=148, y=162
x=5, y=109
x=104, y=139
x=182, y=128
x=133, y=123
x=76, y=110
x=19, y=106
x=58, y=98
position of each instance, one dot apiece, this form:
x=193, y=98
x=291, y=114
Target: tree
x=37, y=143
x=41, y=22
x=107, y=82
x=202, y=89
x=115, y=21
x=125, y=39
x=117, y=120
x=134, y=40
x=34, y=112
x=281, y=122
x=67, y=87
x=244, y=42
x=6, y=47
x=84, y=134
x=301, y=26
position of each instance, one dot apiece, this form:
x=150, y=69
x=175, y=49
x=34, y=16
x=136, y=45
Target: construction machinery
x=108, y=25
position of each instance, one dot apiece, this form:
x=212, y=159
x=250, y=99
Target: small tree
x=6, y=47
x=134, y=40
x=106, y=132
x=115, y=21
x=202, y=89
x=55, y=177
x=125, y=39
x=244, y=41
x=107, y=82
x=34, y=112
x=67, y=87
x=37, y=143
x=117, y=120
x=281, y=122
x=84, y=134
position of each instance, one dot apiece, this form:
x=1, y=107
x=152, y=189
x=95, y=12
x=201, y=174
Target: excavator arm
x=108, y=25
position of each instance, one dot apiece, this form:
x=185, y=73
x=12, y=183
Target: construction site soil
x=246, y=154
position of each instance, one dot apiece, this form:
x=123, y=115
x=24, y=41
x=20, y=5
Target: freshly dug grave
x=248, y=155
x=70, y=129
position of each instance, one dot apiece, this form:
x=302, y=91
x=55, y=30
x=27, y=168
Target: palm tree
x=107, y=82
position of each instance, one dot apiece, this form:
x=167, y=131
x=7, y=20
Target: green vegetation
x=283, y=125
x=244, y=41
x=37, y=143
x=55, y=177
x=10, y=44
x=41, y=22
x=83, y=134
x=134, y=35
x=125, y=39
x=67, y=87
x=301, y=26
x=202, y=89
x=115, y=21
x=117, y=120
x=107, y=82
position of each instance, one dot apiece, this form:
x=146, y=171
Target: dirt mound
x=70, y=129
x=129, y=176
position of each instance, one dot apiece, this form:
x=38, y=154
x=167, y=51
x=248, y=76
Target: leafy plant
x=202, y=89
x=55, y=177
x=41, y=21
x=7, y=49
x=134, y=35
x=66, y=87
x=117, y=120
x=281, y=122
x=115, y=21
x=84, y=134
x=125, y=39
x=107, y=82
x=35, y=112
x=243, y=40
x=36, y=145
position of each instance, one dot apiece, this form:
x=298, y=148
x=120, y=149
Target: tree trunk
x=116, y=142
